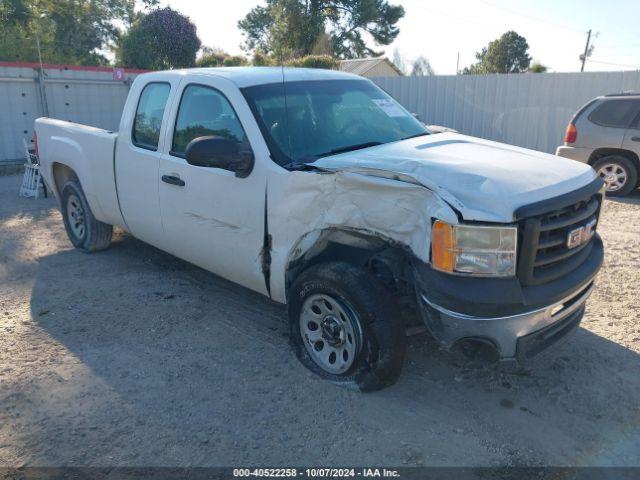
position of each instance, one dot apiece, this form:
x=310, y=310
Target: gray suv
x=605, y=133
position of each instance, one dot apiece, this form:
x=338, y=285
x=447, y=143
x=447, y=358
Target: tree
x=69, y=31
x=213, y=57
x=537, y=67
x=398, y=61
x=421, y=67
x=507, y=54
x=292, y=28
x=159, y=40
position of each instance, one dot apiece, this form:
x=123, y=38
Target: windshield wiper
x=349, y=148
x=416, y=135
x=302, y=167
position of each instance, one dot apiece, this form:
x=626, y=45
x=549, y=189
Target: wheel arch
x=605, y=152
x=62, y=173
x=599, y=153
x=356, y=247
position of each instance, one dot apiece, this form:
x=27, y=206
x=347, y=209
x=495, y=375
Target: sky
x=555, y=30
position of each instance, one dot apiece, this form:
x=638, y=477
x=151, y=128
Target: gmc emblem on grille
x=580, y=235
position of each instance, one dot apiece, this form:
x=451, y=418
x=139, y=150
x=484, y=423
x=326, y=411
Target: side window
x=636, y=122
x=203, y=112
x=148, y=119
x=615, y=113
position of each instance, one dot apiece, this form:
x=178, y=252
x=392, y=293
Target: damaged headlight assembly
x=475, y=250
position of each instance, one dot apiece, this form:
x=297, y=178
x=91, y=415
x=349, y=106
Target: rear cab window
x=148, y=119
x=615, y=113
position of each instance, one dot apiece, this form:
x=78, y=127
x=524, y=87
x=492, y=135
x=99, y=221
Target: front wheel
x=345, y=327
x=83, y=229
x=619, y=174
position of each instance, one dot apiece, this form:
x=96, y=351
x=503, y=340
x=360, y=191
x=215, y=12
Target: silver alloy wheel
x=330, y=333
x=75, y=216
x=614, y=176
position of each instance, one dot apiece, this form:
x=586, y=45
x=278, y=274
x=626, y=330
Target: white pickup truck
x=319, y=190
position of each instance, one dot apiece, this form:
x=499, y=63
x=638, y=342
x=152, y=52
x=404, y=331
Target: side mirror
x=219, y=152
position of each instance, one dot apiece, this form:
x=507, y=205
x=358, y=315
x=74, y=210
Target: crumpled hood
x=484, y=180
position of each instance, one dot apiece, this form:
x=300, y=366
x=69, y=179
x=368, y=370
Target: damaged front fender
x=301, y=205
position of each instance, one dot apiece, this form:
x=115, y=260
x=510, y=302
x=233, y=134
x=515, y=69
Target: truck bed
x=89, y=152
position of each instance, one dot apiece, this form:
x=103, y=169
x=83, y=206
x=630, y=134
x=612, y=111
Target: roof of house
x=360, y=66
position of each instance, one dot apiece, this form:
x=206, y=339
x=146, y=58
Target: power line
x=535, y=19
x=614, y=64
x=455, y=17
x=489, y=24
x=618, y=55
x=620, y=45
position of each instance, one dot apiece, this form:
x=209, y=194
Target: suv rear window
x=615, y=113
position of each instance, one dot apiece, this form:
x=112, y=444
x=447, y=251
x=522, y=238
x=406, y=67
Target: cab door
x=137, y=159
x=632, y=135
x=211, y=217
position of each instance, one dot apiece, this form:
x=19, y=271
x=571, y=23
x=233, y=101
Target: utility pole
x=39, y=52
x=583, y=57
x=458, y=64
x=43, y=92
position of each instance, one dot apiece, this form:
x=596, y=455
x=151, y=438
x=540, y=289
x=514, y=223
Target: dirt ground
x=132, y=357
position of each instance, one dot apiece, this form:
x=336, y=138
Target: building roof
x=250, y=76
x=361, y=66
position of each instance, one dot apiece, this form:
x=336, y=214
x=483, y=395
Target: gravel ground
x=132, y=357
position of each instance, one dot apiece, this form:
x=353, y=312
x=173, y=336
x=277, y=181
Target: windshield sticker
x=388, y=106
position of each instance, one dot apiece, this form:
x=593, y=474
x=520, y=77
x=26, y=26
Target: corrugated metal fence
x=528, y=110
x=89, y=95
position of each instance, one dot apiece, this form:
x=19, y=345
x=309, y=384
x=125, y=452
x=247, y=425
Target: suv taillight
x=35, y=144
x=571, y=135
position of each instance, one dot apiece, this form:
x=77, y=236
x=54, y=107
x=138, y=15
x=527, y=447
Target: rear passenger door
x=632, y=135
x=607, y=124
x=137, y=156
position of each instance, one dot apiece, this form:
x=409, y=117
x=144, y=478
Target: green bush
x=314, y=61
x=262, y=60
x=234, y=61
x=221, y=59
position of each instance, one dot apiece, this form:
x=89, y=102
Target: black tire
x=95, y=235
x=371, y=308
x=629, y=169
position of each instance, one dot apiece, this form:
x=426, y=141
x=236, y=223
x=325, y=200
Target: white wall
x=91, y=97
x=529, y=110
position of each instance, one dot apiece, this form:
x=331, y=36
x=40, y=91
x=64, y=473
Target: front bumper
x=518, y=321
x=516, y=337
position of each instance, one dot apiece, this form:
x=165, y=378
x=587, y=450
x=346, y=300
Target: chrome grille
x=545, y=252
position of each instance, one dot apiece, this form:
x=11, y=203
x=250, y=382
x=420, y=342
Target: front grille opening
x=545, y=254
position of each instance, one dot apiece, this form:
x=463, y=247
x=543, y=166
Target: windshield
x=325, y=117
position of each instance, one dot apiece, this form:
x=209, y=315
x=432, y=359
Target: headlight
x=474, y=250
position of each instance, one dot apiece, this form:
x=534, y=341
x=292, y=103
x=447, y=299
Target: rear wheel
x=83, y=229
x=345, y=327
x=619, y=174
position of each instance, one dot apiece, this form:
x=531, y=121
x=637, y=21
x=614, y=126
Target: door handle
x=635, y=139
x=173, y=180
